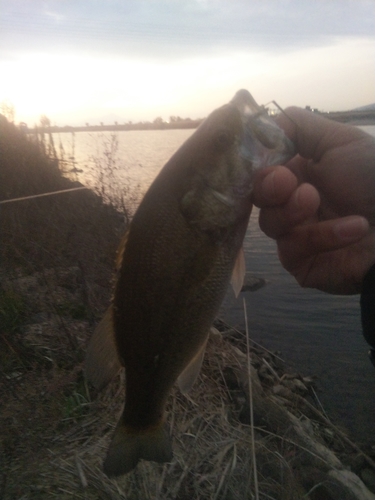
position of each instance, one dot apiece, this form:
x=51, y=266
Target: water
x=140, y=154
x=317, y=334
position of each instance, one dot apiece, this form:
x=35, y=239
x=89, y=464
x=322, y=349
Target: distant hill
x=364, y=115
x=369, y=107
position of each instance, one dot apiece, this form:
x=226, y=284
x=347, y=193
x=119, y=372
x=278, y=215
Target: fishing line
x=227, y=325
x=2, y=202
x=251, y=409
x=282, y=111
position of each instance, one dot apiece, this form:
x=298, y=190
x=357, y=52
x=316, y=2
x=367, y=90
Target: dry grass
x=58, y=433
x=70, y=229
x=212, y=449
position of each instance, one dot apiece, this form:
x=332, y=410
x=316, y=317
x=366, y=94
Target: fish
x=182, y=249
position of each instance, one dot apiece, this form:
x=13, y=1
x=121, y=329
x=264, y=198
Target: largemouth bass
x=183, y=246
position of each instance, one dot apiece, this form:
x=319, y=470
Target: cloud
x=172, y=29
x=144, y=58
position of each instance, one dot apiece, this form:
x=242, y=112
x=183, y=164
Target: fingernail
x=351, y=229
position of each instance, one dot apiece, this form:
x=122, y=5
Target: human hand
x=320, y=207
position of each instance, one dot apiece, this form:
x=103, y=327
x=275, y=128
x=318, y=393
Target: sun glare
x=73, y=85
x=76, y=88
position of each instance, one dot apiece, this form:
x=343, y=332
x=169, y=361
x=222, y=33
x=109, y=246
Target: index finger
x=314, y=135
x=273, y=186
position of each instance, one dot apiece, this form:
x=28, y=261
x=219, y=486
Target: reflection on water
x=317, y=333
x=140, y=154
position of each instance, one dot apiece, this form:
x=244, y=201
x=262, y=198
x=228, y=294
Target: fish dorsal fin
x=238, y=273
x=187, y=378
x=121, y=250
x=102, y=363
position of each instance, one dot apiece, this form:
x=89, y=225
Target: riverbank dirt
x=57, y=258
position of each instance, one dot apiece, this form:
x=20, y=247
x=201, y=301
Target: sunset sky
x=80, y=61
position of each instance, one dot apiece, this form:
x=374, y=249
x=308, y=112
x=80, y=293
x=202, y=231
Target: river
x=317, y=334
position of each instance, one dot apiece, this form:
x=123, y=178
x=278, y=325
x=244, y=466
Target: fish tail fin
x=130, y=445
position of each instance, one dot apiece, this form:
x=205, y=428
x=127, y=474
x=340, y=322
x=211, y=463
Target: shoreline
x=349, y=117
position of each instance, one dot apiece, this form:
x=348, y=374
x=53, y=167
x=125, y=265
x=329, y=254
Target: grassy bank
x=56, y=268
x=58, y=230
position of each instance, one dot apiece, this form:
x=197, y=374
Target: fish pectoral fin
x=190, y=374
x=121, y=250
x=128, y=446
x=102, y=363
x=238, y=273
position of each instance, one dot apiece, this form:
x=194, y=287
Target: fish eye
x=223, y=139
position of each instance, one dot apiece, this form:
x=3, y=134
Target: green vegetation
x=174, y=122
x=75, y=311
x=12, y=311
x=76, y=403
x=12, y=315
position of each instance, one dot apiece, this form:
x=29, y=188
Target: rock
x=353, y=485
x=295, y=385
x=231, y=379
x=289, y=376
x=328, y=435
x=280, y=390
x=308, y=427
x=308, y=381
x=319, y=452
x=252, y=283
x=284, y=484
x=368, y=477
x=321, y=485
x=282, y=415
x=266, y=376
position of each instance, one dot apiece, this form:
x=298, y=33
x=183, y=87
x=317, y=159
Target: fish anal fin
x=238, y=273
x=187, y=378
x=214, y=332
x=101, y=362
x=129, y=446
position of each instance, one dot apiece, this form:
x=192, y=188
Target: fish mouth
x=263, y=142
